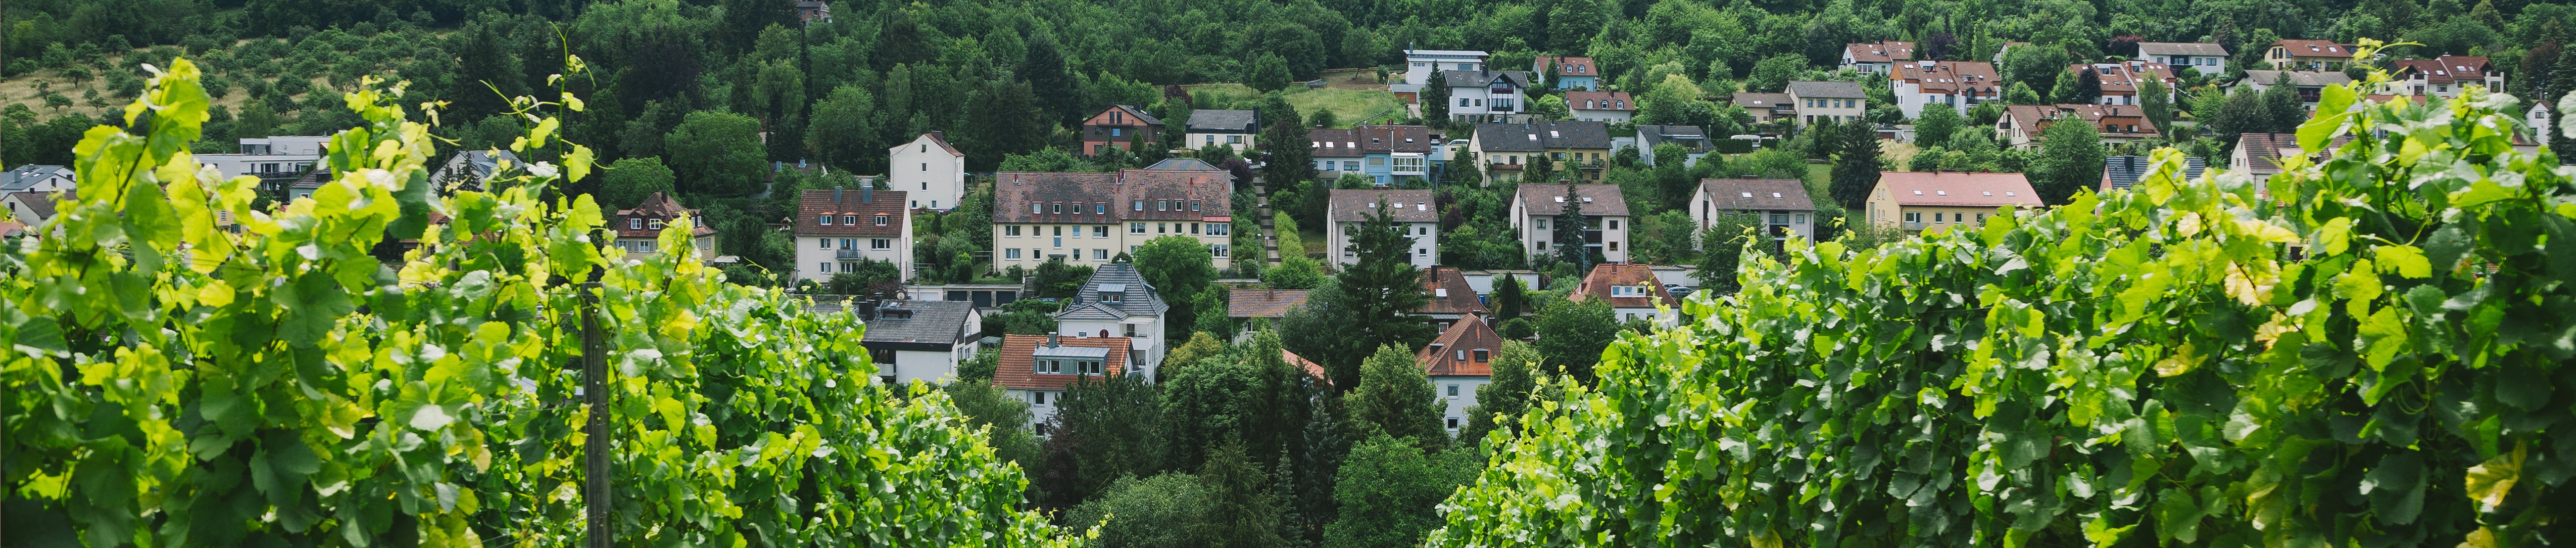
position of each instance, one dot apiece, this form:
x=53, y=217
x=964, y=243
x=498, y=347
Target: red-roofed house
x=1957, y=84
x=2022, y=125
x=639, y=230
x=1600, y=106
x=1571, y=72
x=2307, y=55
x=2120, y=80
x=1459, y=361
x=1632, y=291
x=1920, y=201
x=2445, y=76
x=835, y=229
x=1879, y=57
x=1039, y=368
x=1119, y=126
x=1451, y=296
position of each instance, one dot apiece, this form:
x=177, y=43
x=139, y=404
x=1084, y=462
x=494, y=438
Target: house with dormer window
x=1412, y=210
x=2445, y=76
x=1781, y=206
x=1038, y=369
x=1633, y=292
x=1487, y=95
x=836, y=229
x=639, y=230
x=1571, y=72
x=1600, y=106
x=1088, y=218
x=1935, y=201
x=1120, y=126
x=1458, y=362
x=1879, y=57
x=2295, y=54
x=1605, y=211
x=1117, y=303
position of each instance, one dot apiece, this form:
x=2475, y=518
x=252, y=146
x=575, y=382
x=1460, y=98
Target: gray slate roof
x=1829, y=90
x=2298, y=78
x=2180, y=48
x=1182, y=164
x=931, y=322
x=1757, y=194
x=1354, y=205
x=1224, y=121
x=1473, y=78
x=2126, y=171
x=25, y=176
x=1541, y=136
x=1691, y=138
x=1136, y=298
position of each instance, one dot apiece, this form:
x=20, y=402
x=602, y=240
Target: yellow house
x=1932, y=201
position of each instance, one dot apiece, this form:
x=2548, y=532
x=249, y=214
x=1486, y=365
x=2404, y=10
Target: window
x=1131, y=329
x=1037, y=209
x=1453, y=423
x=1421, y=252
x=1462, y=101
x=1038, y=398
x=881, y=219
x=638, y=224
x=827, y=242
x=1779, y=218
x=1135, y=228
x=1140, y=205
x=825, y=268
x=852, y=220
x=881, y=243
x=1059, y=242
x=1194, y=205
x=1012, y=253
x=1100, y=254
x=1100, y=231
x=1913, y=217
x=1194, y=228
x=1981, y=217
x=1220, y=251
x=1159, y=228
x=1481, y=354
x=1162, y=205
x=825, y=220
x=1099, y=208
x=657, y=224
x=1234, y=139
x=1802, y=218
x=1614, y=224
x=1217, y=229
x=1090, y=368
x=1453, y=389
x=1542, y=223
x=1011, y=231
x=1116, y=132
x=1058, y=208
x=1614, y=246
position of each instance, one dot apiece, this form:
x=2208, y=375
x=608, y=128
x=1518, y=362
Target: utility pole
x=594, y=395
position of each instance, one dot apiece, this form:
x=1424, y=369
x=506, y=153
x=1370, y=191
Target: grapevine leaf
x=430, y=417
x=2396, y=487
x=2488, y=482
x=2403, y=260
x=2523, y=386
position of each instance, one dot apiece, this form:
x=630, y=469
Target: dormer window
x=657, y=224
x=825, y=220
x=852, y=220
x=881, y=219
x=638, y=224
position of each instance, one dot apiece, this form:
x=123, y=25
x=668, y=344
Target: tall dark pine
x=1288, y=163
x=1856, y=168
x=1382, y=289
x=1570, y=226
x=1508, y=297
x=2088, y=86
x=1044, y=68
x=1434, y=98
x=1006, y=120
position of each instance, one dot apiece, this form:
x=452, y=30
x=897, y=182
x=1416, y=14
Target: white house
x=1088, y=218
x=1837, y=101
x=1414, y=212
x=929, y=170
x=1633, y=292
x=921, y=340
x=38, y=178
x=1458, y=362
x=1782, y=206
x=1116, y=302
x=1600, y=106
x=2445, y=76
x=639, y=230
x=2204, y=57
x=1958, y=84
x=835, y=229
x=1236, y=129
x=1876, y=58
x=1535, y=208
x=1486, y=96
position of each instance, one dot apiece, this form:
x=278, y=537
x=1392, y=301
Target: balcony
x=1913, y=226
x=848, y=255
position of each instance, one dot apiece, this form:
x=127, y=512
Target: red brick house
x=1119, y=126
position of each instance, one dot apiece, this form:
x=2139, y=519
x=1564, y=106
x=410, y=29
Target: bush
x=1719, y=145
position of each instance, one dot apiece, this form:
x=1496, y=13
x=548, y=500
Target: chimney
x=868, y=194
x=1051, y=342
x=868, y=310
x=836, y=194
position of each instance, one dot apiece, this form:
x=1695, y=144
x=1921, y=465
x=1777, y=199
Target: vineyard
x=2362, y=351
x=186, y=370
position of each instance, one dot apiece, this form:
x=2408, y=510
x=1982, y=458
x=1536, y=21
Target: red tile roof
x=1570, y=66
x=1597, y=284
x=659, y=207
x=1599, y=100
x=1951, y=77
x=1263, y=303
x=2109, y=120
x=2314, y=49
x=941, y=138
x=1882, y=52
x=2443, y=70
x=1958, y=189
x=847, y=206
x=1311, y=368
x=2122, y=79
x=1103, y=198
x=1460, y=296
x=1017, y=367
x=1469, y=334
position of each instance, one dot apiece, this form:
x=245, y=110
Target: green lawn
x=1350, y=106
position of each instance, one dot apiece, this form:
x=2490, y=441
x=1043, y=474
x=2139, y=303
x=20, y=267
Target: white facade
x=1537, y=229
x=1458, y=393
x=1421, y=64
x=931, y=171
x=1425, y=251
x=1497, y=99
x=235, y=165
x=835, y=229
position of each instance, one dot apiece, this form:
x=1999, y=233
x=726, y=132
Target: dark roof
x=1370, y=139
x=1110, y=197
x=481, y=164
x=1469, y=333
x=2125, y=171
x=1600, y=199
x=1449, y=292
x=1017, y=366
x=1763, y=100
x=2263, y=151
x=2443, y=70
x=1757, y=194
x=1832, y=90
x=25, y=176
x=812, y=205
x=1597, y=284
x=1263, y=303
x=1958, y=189
x=1690, y=138
x=2314, y=48
x=941, y=322
x=1542, y=136
x=1224, y=121
x=940, y=138
x=1348, y=205
x=2180, y=48
x=1599, y=100
x=43, y=203
x=1473, y=78
x=1137, y=114
x=1135, y=297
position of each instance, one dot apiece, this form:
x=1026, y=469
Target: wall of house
x=1425, y=252
x=927, y=366
x=1455, y=416
x=1539, y=229
x=1035, y=243
x=930, y=177
x=1807, y=113
x=1240, y=141
x=1418, y=70
x=1145, y=345
x=812, y=255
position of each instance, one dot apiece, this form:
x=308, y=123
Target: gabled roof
x=2263, y=151
x=1753, y=101
x=2036, y=118
x=1599, y=199
x=660, y=206
x=1826, y=90
x=1470, y=333
x=1690, y=138
x=1949, y=77
x=1542, y=136
x=942, y=322
x=2125, y=171
x=1599, y=100
x=26, y=176
x=2123, y=78
x=1474, y=78
x=1958, y=189
x=42, y=204
x=1568, y=66
x=1449, y=292
x=480, y=164
x=1881, y=52
x=1347, y=205
x=1370, y=139
x=1134, y=297
x=1181, y=164
x=1749, y=194
x=1133, y=113
x=1597, y=285
x=2180, y=48
x=865, y=205
x=1448, y=53
x=1312, y=369
x=2443, y=70
x=1263, y=303
x=1224, y=121
x=1103, y=198
x=937, y=138
x=1017, y=366
x=2314, y=49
